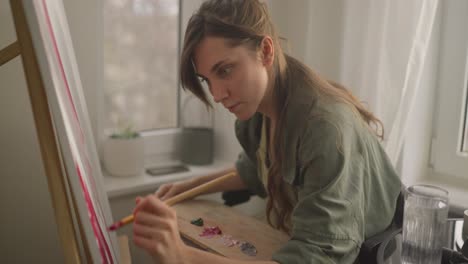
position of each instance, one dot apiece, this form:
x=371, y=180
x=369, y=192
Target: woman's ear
x=267, y=51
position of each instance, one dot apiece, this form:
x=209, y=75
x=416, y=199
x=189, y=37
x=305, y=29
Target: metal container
x=197, y=146
x=197, y=133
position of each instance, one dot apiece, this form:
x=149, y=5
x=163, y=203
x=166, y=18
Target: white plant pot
x=124, y=157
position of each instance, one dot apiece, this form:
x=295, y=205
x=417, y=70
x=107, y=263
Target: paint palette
x=242, y=237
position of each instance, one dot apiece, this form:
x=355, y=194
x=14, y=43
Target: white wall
x=314, y=29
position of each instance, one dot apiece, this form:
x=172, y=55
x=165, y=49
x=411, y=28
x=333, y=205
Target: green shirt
x=346, y=186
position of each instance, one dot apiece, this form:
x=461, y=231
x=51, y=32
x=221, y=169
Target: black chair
x=378, y=248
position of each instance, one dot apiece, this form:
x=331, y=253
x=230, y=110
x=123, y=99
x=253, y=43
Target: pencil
x=178, y=198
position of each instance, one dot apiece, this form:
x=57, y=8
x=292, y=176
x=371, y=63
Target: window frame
x=464, y=126
x=447, y=158
x=162, y=145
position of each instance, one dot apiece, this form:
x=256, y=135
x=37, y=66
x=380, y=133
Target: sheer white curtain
x=385, y=45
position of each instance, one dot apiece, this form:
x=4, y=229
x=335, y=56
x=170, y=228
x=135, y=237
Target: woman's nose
x=219, y=93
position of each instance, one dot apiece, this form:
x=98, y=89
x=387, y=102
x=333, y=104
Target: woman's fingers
x=151, y=220
x=163, y=190
x=151, y=246
x=144, y=243
x=169, y=194
x=144, y=231
x=167, y=191
x=155, y=230
x=157, y=206
x=137, y=201
x=148, y=219
x=155, y=225
x=147, y=204
x=151, y=204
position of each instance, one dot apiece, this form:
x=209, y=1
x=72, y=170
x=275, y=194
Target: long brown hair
x=247, y=22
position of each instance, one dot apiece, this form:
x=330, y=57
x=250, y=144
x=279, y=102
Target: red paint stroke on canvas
x=103, y=247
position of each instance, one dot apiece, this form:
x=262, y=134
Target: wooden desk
x=243, y=228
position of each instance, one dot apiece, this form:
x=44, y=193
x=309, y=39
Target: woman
x=309, y=145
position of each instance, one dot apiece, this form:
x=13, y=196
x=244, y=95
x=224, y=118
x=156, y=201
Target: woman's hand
x=169, y=190
x=155, y=230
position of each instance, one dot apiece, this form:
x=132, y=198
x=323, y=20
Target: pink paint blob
x=211, y=231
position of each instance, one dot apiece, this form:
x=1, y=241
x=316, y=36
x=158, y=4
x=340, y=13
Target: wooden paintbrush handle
x=199, y=189
x=179, y=198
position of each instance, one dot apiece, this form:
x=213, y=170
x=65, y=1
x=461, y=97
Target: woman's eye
x=224, y=72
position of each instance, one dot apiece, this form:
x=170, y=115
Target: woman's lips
x=233, y=108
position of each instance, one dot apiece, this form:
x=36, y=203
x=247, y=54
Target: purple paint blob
x=248, y=249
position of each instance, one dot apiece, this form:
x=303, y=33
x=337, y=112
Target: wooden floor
x=243, y=228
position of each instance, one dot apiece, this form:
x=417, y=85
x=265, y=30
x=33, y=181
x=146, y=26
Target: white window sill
x=120, y=186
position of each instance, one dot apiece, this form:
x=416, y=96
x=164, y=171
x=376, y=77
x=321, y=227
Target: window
x=450, y=147
x=141, y=46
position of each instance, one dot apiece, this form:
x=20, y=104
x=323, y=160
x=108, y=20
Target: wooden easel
x=69, y=226
x=45, y=132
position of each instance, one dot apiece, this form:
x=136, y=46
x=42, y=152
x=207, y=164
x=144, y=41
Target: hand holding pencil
x=178, y=198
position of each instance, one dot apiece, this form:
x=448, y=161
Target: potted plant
x=123, y=153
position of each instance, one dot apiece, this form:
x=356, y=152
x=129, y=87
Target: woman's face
x=237, y=77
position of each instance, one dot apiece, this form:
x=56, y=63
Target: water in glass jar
x=423, y=230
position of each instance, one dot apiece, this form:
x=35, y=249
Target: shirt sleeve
x=247, y=170
x=326, y=228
